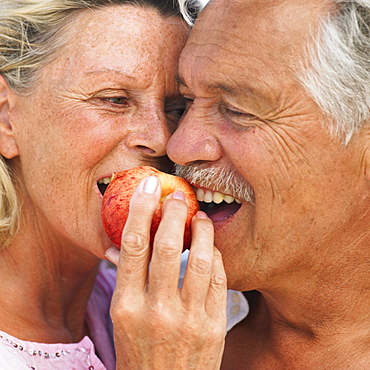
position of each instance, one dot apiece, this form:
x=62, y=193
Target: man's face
x=251, y=122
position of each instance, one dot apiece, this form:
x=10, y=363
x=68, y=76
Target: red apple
x=116, y=201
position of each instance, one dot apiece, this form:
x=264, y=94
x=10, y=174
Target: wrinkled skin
x=107, y=102
x=303, y=243
x=104, y=103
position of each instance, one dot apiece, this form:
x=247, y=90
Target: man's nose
x=195, y=139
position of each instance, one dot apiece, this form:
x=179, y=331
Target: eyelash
x=226, y=110
x=122, y=98
x=240, y=114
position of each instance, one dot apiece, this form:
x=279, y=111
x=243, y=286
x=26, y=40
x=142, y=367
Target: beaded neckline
x=46, y=355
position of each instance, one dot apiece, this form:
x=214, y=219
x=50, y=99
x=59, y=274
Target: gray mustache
x=219, y=179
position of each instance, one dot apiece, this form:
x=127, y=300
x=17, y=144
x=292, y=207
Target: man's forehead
x=253, y=57
x=238, y=31
x=222, y=19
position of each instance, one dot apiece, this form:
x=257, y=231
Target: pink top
x=16, y=354
x=96, y=353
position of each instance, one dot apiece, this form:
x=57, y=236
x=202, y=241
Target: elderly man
x=278, y=96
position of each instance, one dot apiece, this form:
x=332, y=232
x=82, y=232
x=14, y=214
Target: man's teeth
x=203, y=195
x=104, y=181
x=209, y=196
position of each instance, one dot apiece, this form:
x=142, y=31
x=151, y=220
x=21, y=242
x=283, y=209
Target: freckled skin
x=300, y=241
x=70, y=133
x=107, y=101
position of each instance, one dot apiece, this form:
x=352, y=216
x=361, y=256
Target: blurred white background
x=203, y=2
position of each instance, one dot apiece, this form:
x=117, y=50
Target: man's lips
x=218, y=206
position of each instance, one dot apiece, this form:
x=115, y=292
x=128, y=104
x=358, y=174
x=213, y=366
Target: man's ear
x=8, y=145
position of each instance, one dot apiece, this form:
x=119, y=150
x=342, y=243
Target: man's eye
x=237, y=114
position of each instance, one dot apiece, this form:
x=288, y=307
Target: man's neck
x=266, y=340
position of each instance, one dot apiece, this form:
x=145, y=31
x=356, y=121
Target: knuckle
x=204, y=224
x=218, y=281
x=134, y=243
x=162, y=322
x=123, y=312
x=191, y=328
x=194, y=328
x=174, y=205
x=201, y=263
x=202, y=328
x=163, y=319
x=166, y=249
x=216, y=333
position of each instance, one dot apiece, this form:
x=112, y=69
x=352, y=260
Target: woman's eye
x=119, y=100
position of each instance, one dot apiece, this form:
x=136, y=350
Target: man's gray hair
x=338, y=77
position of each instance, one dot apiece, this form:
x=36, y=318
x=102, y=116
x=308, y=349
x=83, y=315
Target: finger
x=199, y=269
x=134, y=256
x=217, y=293
x=112, y=255
x=168, y=246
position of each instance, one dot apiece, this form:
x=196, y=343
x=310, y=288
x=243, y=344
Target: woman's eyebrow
x=109, y=70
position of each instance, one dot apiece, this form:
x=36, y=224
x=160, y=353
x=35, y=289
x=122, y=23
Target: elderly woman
x=86, y=88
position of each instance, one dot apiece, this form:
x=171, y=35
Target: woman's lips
x=103, y=184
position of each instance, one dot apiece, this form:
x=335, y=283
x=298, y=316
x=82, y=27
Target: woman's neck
x=46, y=288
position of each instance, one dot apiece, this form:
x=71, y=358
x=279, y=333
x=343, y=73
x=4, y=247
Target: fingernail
x=112, y=255
x=179, y=194
x=202, y=215
x=150, y=185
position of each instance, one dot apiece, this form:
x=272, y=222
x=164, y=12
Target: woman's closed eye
x=111, y=98
x=117, y=100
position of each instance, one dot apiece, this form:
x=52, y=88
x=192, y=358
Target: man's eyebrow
x=227, y=89
x=217, y=87
x=220, y=87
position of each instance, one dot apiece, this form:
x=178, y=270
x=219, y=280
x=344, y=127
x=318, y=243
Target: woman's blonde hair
x=30, y=36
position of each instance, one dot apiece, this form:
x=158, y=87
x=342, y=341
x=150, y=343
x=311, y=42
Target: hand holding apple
x=116, y=201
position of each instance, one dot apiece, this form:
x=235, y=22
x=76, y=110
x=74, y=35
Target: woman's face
x=108, y=102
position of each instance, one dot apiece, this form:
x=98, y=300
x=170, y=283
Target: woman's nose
x=150, y=134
